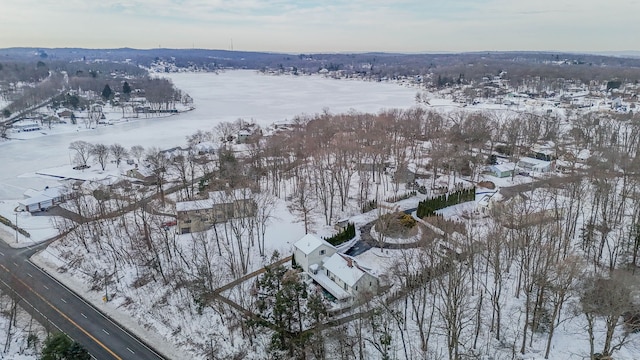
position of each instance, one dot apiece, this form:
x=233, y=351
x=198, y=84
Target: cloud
x=330, y=25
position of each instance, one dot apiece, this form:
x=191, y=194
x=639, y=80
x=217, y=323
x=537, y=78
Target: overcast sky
x=324, y=26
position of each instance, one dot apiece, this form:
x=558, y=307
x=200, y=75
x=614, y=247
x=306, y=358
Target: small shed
x=502, y=170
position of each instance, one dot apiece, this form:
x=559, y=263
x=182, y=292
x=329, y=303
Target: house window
x=346, y=287
x=356, y=288
x=327, y=272
x=322, y=252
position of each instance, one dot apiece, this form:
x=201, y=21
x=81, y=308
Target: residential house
x=221, y=206
x=41, y=200
x=529, y=209
x=65, y=114
x=352, y=277
x=143, y=175
x=311, y=250
x=536, y=165
x=502, y=170
x=546, y=151
x=28, y=127
x=338, y=274
x=243, y=136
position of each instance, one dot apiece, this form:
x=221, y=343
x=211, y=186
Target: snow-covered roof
x=217, y=196
x=537, y=163
x=345, y=267
x=327, y=284
x=194, y=205
x=51, y=192
x=583, y=154
x=504, y=167
x=35, y=200
x=309, y=243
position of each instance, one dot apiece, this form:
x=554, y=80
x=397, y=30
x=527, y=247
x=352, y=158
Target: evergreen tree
x=107, y=92
x=60, y=347
x=126, y=89
x=282, y=303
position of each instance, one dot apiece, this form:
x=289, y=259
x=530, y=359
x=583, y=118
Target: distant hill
x=453, y=67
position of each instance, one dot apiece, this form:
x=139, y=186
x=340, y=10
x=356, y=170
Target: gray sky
x=324, y=26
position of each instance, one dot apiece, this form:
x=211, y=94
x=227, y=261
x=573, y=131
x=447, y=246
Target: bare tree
x=303, y=201
x=82, y=151
x=101, y=153
x=137, y=152
x=607, y=298
x=118, y=152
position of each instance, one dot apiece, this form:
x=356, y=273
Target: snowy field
x=217, y=98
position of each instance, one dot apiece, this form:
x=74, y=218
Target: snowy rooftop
x=504, y=167
x=345, y=267
x=51, y=192
x=309, y=243
x=194, y=205
x=243, y=193
x=534, y=162
x=333, y=288
x=34, y=200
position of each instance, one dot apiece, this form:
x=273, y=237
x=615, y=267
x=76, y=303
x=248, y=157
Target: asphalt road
x=51, y=303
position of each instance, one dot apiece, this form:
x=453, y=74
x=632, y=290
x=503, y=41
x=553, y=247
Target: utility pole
x=106, y=294
x=16, y=227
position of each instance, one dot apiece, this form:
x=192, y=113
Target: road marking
x=1, y=253
x=46, y=287
x=83, y=315
x=131, y=351
x=63, y=300
x=14, y=263
x=105, y=331
x=88, y=334
x=29, y=275
x=98, y=312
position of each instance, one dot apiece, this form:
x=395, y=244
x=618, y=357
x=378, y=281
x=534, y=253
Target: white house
x=352, y=277
x=311, y=250
x=536, y=165
x=41, y=200
x=502, y=170
x=340, y=275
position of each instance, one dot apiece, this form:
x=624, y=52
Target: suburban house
x=311, y=250
x=338, y=274
x=530, y=208
x=41, y=200
x=536, y=165
x=65, y=114
x=221, y=206
x=26, y=127
x=502, y=170
x=544, y=152
x=142, y=175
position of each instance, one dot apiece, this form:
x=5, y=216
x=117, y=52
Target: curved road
x=52, y=303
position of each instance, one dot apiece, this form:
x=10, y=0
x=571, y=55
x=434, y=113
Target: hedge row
x=7, y=222
x=428, y=207
x=345, y=235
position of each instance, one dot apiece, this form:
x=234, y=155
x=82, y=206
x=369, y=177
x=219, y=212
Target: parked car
x=167, y=224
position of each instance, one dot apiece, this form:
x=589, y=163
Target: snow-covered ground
x=165, y=314
x=16, y=346
x=217, y=98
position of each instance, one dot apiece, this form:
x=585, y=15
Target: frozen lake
x=224, y=97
